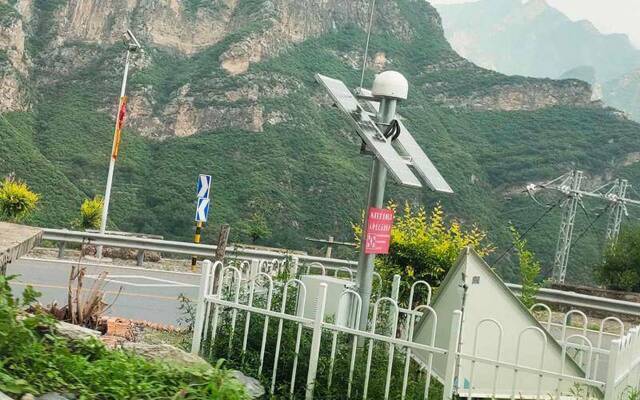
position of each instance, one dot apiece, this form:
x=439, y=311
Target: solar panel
x=369, y=132
x=411, y=149
x=399, y=158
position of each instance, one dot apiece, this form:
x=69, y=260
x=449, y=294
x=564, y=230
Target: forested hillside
x=226, y=87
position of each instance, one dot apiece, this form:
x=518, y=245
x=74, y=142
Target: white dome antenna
x=390, y=84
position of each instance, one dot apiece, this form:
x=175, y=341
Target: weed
x=35, y=360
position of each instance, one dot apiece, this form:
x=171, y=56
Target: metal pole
x=450, y=380
x=196, y=240
x=329, y=247
x=114, y=155
x=316, y=339
x=375, y=199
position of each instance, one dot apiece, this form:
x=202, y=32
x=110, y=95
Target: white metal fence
x=239, y=307
x=623, y=374
x=226, y=294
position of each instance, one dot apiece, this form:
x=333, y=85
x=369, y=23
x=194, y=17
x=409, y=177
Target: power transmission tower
x=570, y=186
x=617, y=196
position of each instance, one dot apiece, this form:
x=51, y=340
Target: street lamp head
x=130, y=41
x=390, y=84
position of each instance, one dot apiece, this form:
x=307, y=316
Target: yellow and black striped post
x=196, y=240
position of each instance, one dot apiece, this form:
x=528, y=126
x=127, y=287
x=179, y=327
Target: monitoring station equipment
x=373, y=115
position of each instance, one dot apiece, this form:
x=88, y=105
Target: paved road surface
x=146, y=294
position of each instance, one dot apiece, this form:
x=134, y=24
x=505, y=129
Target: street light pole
x=132, y=46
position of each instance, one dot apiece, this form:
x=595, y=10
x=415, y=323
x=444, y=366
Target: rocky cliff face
x=241, y=33
x=190, y=26
x=254, y=30
x=624, y=93
x=526, y=96
x=14, y=63
x=516, y=94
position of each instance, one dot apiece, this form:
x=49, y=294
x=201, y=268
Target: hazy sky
x=609, y=16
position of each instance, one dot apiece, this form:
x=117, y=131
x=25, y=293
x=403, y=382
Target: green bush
x=90, y=214
x=620, y=269
x=257, y=227
x=424, y=247
x=529, y=269
x=8, y=14
x=17, y=201
x=36, y=361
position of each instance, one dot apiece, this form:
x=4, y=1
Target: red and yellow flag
x=122, y=111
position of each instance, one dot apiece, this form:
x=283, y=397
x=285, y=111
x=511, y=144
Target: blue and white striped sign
x=202, y=212
x=204, y=186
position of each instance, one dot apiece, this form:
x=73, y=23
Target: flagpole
x=114, y=149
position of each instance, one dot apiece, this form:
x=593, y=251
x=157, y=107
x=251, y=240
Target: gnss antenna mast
x=366, y=47
x=395, y=153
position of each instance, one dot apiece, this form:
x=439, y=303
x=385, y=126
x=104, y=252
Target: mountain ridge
x=535, y=39
x=514, y=24
x=264, y=129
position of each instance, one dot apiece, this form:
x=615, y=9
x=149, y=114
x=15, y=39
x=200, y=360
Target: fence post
x=452, y=356
x=315, y=341
x=201, y=307
x=295, y=261
x=140, y=258
x=254, y=268
x=612, y=371
x=395, y=287
x=61, y=246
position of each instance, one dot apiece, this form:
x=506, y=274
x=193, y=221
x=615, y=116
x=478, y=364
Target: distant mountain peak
x=533, y=38
x=534, y=8
x=535, y=3
x=588, y=26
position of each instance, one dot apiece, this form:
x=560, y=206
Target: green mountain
x=534, y=39
x=226, y=87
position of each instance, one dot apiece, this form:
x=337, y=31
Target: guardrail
x=579, y=300
x=173, y=247
x=184, y=248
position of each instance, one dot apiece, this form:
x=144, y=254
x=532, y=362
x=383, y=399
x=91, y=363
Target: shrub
x=17, y=201
x=258, y=227
x=529, y=269
x=620, y=269
x=36, y=361
x=90, y=214
x=425, y=247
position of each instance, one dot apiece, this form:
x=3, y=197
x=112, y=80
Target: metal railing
x=337, y=266
x=227, y=314
x=216, y=298
x=624, y=366
x=611, y=306
x=182, y=248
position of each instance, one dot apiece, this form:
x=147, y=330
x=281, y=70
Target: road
x=146, y=294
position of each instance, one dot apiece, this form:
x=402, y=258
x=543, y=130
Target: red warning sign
x=378, y=233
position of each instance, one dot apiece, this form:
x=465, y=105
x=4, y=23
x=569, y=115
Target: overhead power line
x=524, y=234
x=570, y=186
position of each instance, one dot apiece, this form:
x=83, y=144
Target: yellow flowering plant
x=90, y=214
x=424, y=245
x=17, y=201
